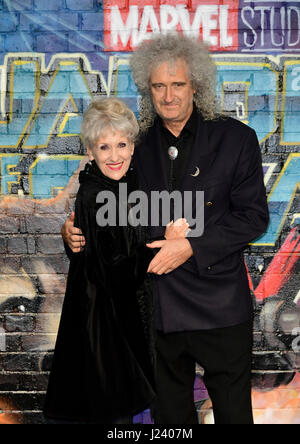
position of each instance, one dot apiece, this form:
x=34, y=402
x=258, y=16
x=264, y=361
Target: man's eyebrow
x=179, y=82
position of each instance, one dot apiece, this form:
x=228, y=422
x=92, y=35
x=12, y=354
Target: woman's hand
x=177, y=230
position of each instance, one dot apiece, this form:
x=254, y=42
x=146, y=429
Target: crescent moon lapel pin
x=197, y=172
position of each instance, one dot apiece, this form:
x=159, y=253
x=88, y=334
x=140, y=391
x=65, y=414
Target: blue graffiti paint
x=68, y=86
x=24, y=88
x=290, y=132
x=281, y=199
x=50, y=174
x=256, y=102
x=125, y=87
x=8, y=176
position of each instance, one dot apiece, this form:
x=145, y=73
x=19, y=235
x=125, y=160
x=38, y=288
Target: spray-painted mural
x=54, y=57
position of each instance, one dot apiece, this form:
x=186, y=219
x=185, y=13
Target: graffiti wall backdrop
x=54, y=57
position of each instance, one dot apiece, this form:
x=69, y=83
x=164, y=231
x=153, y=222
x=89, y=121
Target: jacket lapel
x=150, y=162
x=201, y=159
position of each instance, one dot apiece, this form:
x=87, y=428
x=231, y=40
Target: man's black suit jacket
x=211, y=290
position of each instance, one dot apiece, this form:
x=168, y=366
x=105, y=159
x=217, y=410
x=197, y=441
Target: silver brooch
x=173, y=152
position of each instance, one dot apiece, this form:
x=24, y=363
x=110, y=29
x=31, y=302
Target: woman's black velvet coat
x=102, y=366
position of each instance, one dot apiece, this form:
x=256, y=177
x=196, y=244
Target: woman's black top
x=102, y=367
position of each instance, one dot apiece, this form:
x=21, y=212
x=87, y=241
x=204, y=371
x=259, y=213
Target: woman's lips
x=115, y=166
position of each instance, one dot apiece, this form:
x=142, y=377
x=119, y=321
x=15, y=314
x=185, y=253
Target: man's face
x=172, y=92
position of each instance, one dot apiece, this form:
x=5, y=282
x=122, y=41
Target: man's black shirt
x=175, y=169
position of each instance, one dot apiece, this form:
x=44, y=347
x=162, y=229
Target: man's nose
x=169, y=96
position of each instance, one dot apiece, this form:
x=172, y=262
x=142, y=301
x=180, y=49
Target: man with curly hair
x=204, y=311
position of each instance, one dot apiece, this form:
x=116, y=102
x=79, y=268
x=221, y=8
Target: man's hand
x=172, y=254
x=72, y=236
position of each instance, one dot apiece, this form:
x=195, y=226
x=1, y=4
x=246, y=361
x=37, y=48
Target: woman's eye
x=122, y=145
x=103, y=147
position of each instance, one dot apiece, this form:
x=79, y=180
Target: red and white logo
x=126, y=25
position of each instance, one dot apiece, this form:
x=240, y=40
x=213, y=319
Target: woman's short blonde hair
x=107, y=114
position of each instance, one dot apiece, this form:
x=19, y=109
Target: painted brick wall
x=54, y=57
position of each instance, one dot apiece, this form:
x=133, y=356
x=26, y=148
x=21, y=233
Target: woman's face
x=112, y=153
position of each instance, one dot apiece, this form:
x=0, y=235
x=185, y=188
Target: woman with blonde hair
x=102, y=370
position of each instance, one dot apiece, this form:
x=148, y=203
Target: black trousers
x=225, y=354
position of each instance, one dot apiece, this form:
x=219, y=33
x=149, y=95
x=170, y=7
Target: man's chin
x=171, y=117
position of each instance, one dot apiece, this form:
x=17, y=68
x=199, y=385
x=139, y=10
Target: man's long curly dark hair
x=169, y=48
